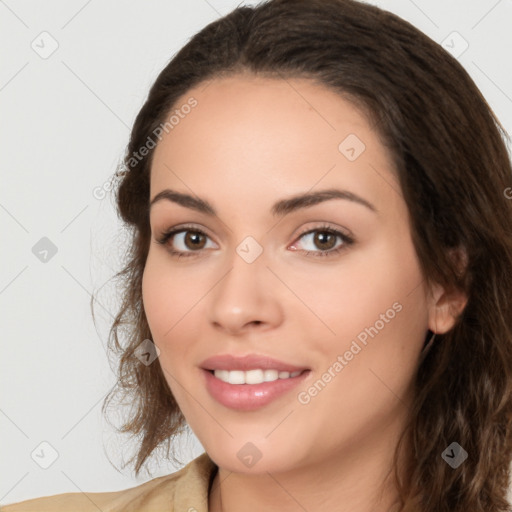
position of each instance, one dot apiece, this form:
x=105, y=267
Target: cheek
x=165, y=298
x=172, y=304
x=378, y=313
x=375, y=299
x=153, y=296
x=160, y=297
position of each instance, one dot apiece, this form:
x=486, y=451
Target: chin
x=252, y=459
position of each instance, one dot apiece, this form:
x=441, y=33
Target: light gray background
x=65, y=124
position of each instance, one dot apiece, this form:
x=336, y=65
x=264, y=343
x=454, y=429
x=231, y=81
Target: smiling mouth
x=255, y=376
x=247, y=390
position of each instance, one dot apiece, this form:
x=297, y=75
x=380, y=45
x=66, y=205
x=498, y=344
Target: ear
x=446, y=305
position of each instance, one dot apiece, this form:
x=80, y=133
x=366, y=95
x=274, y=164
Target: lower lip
x=247, y=397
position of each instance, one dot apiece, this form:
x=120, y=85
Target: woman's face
x=283, y=282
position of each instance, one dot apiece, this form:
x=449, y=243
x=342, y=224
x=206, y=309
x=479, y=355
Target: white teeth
x=270, y=375
x=253, y=376
x=236, y=377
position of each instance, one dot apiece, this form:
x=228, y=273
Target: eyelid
x=343, y=233
x=327, y=227
x=166, y=234
x=324, y=225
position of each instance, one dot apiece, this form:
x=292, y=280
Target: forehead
x=253, y=134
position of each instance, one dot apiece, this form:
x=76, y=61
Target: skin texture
x=248, y=143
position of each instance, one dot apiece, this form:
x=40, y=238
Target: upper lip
x=248, y=362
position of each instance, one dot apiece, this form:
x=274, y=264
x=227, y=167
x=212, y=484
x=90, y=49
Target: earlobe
x=445, y=309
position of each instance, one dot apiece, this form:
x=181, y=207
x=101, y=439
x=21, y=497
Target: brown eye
x=324, y=240
x=194, y=240
x=185, y=241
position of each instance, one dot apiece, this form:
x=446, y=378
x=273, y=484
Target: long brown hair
x=453, y=168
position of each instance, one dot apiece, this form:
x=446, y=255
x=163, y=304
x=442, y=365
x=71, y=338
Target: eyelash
x=347, y=241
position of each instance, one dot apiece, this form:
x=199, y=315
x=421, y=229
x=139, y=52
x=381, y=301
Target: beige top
x=185, y=490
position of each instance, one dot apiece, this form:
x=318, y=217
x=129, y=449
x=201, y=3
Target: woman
x=320, y=272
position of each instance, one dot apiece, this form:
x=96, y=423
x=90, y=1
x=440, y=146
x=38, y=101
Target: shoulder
x=186, y=489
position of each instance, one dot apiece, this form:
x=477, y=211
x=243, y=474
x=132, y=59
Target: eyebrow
x=280, y=208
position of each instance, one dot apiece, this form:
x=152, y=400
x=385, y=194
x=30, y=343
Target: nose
x=245, y=298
